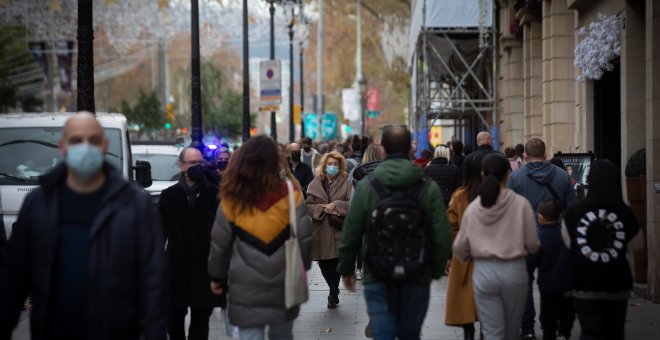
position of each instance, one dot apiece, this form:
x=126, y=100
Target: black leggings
x=329, y=272
x=199, y=323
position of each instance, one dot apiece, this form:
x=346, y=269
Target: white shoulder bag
x=295, y=277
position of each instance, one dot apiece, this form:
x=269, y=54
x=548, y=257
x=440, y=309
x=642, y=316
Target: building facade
x=541, y=94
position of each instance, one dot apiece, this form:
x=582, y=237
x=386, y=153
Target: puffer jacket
x=247, y=250
x=445, y=174
x=398, y=176
x=126, y=272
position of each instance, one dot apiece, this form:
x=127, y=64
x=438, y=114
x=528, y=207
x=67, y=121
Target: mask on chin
x=84, y=159
x=195, y=173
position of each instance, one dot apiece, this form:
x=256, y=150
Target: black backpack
x=397, y=234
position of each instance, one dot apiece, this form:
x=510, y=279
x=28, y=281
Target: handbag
x=295, y=276
x=335, y=221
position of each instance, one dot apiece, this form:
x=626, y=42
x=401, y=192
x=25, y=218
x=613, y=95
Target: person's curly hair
x=324, y=161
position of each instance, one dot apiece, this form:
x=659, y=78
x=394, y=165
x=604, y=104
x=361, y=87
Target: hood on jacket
x=489, y=216
x=398, y=174
x=541, y=172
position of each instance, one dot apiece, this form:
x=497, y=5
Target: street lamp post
x=196, y=128
x=302, y=94
x=292, y=129
x=246, y=75
x=85, y=88
x=273, y=122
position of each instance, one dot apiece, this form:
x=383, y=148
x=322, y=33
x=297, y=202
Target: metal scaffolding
x=453, y=70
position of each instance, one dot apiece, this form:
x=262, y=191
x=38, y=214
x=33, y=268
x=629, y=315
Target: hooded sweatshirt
x=505, y=231
x=532, y=179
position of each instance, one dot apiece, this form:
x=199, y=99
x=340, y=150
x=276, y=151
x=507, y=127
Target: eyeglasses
x=193, y=162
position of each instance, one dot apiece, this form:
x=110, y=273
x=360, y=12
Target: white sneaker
x=358, y=274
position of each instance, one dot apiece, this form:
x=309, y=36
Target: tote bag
x=295, y=281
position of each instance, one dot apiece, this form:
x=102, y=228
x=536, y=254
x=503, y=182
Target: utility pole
x=246, y=74
x=359, y=83
x=196, y=134
x=292, y=129
x=273, y=122
x=85, y=88
x=319, y=71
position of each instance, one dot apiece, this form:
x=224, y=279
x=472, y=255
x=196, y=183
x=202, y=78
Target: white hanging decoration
x=394, y=38
x=601, y=45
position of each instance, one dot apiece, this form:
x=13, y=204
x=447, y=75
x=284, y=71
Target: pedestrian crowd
x=240, y=229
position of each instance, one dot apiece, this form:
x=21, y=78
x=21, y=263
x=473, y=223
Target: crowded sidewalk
x=347, y=322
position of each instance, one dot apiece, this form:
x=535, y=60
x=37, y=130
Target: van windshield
x=29, y=152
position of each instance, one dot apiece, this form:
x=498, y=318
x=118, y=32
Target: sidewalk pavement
x=347, y=322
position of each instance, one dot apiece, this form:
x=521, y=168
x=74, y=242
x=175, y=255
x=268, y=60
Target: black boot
x=468, y=331
x=332, y=301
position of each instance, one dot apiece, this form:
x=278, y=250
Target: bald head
x=293, y=147
x=484, y=138
x=83, y=127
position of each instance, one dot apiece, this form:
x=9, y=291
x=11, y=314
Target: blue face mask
x=332, y=170
x=84, y=159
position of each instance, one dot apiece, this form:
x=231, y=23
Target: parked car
x=29, y=148
x=164, y=158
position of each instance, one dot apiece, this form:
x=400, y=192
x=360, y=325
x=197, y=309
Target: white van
x=29, y=148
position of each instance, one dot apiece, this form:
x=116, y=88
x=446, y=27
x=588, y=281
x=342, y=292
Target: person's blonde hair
x=442, y=151
x=372, y=154
x=320, y=170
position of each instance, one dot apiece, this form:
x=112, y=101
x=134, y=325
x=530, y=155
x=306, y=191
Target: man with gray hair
x=88, y=247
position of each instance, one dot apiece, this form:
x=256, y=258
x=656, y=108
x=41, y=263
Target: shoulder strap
x=418, y=190
x=552, y=190
x=293, y=228
x=377, y=186
x=354, y=162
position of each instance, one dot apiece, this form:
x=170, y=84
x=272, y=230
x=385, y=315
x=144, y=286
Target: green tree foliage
x=222, y=107
x=19, y=72
x=147, y=112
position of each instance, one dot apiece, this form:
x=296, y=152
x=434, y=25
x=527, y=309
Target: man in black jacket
x=88, y=248
x=187, y=210
x=301, y=171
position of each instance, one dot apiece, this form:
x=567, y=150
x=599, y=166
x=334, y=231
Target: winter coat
x=504, y=231
x=398, y=176
x=355, y=156
x=530, y=181
x=304, y=174
x=126, y=270
x=599, y=238
x=326, y=238
x=188, y=233
x=552, y=260
x=460, y=308
x=247, y=249
x=365, y=169
x=445, y=174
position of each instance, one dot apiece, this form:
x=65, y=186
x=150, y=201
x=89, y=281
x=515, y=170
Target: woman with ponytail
x=497, y=231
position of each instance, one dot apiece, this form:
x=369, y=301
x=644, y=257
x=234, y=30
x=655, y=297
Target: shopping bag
x=295, y=281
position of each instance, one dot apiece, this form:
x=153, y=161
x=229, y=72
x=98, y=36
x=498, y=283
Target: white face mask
x=84, y=159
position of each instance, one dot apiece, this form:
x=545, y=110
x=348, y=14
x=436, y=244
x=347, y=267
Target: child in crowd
x=554, y=278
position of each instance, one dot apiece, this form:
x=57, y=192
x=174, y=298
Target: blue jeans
x=279, y=331
x=408, y=302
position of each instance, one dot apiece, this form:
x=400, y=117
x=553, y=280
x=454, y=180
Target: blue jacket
x=530, y=181
x=552, y=260
x=126, y=274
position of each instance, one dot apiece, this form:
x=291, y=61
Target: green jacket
x=398, y=176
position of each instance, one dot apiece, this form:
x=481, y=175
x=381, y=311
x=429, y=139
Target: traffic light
x=169, y=115
x=184, y=130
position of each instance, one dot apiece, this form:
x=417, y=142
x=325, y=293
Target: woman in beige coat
x=460, y=309
x=327, y=201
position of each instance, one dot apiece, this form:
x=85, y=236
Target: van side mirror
x=142, y=173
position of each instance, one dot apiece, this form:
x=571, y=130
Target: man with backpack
x=401, y=217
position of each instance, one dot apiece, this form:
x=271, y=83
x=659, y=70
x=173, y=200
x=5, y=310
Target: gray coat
x=256, y=278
